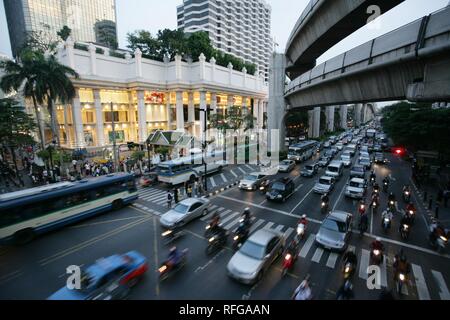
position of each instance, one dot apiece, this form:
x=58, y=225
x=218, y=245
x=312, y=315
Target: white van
x=335, y=169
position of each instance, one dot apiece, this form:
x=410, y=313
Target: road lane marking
x=234, y=174
x=317, y=255
x=331, y=262
x=229, y=217
x=232, y=223
x=364, y=263
x=301, y=201
x=268, y=225
x=149, y=193
x=211, y=212
x=256, y=225
x=443, y=290
x=156, y=198
x=249, y=204
x=103, y=222
x=10, y=276
x=212, y=182
x=155, y=248
x=288, y=232
x=422, y=289
x=223, y=214
x=309, y=242
x=225, y=180
x=240, y=169
x=84, y=244
x=248, y=167
x=384, y=272
x=339, y=198
x=279, y=227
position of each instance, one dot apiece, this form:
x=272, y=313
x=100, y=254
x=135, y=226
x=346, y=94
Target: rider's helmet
x=247, y=211
x=378, y=239
x=304, y=216
x=351, y=250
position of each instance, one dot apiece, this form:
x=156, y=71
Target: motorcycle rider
x=406, y=219
x=350, y=257
x=385, y=183
x=362, y=207
x=246, y=215
x=346, y=291
x=377, y=245
x=325, y=199
x=387, y=214
x=303, y=291
x=303, y=220
x=373, y=176
x=437, y=230
x=401, y=265
x=293, y=247
x=376, y=188
x=173, y=258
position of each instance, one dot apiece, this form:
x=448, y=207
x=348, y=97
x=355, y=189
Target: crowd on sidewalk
x=189, y=190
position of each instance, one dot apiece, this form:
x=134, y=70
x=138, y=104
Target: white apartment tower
x=237, y=27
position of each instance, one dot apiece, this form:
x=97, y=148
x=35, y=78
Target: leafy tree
x=16, y=127
x=143, y=40
x=198, y=43
x=138, y=155
x=172, y=42
x=64, y=33
x=42, y=41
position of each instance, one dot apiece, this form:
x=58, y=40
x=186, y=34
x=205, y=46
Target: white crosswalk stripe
x=279, y=227
x=148, y=192
x=268, y=225
x=308, y=243
x=422, y=289
x=234, y=174
x=331, y=262
x=223, y=178
x=317, y=255
x=248, y=167
x=212, y=182
x=384, y=272
x=256, y=225
x=150, y=195
x=211, y=212
x=232, y=223
x=156, y=197
x=229, y=217
x=443, y=290
x=240, y=169
x=288, y=232
x=364, y=263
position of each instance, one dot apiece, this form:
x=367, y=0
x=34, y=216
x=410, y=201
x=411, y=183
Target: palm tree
x=43, y=79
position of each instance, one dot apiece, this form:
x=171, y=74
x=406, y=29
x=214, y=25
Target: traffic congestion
x=339, y=219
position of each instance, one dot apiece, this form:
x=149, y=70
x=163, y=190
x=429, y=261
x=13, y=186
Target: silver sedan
x=185, y=211
x=261, y=249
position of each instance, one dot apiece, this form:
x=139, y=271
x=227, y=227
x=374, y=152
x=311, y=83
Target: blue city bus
x=27, y=213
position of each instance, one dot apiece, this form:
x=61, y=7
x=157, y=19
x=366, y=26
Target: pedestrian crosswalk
x=421, y=280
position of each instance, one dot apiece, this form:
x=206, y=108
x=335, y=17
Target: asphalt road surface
x=38, y=269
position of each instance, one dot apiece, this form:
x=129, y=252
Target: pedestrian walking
x=195, y=188
x=175, y=194
x=74, y=164
x=169, y=200
x=189, y=191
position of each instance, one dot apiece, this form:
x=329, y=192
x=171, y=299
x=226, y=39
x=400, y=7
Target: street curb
x=222, y=189
x=429, y=212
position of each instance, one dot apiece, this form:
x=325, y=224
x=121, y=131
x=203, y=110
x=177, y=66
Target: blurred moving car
x=255, y=256
x=324, y=185
x=252, y=181
x=309, y=170
x=335, y=231
x=149, y=179
x=108, y=278
x=185, y=211
x=286, y=166
x=280, y=189
x=356, y=188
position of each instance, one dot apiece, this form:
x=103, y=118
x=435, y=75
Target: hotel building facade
x=139, y=96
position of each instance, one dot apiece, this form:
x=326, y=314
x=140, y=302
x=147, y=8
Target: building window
x=108, y=117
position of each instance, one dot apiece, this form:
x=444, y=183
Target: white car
x=339, y=146
x=356, y=188
x=324, y=185
x=251, y=181
x=335, y=231
x=346, y=159
x=185, y=211
x=286, y=166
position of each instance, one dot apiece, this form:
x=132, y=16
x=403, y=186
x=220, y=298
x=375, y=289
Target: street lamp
x=204, y=146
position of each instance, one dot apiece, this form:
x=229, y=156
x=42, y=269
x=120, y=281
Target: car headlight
x=443, y=238
x=211, y=239
x=402, y=277
x=235, y=238
x=279, y=196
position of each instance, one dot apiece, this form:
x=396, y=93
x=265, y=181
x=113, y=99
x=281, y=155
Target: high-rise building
x=237, y=27
x=50, y=16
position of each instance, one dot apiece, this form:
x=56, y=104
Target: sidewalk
x=429, y=188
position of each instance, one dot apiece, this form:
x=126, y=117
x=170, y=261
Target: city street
x=38, y=269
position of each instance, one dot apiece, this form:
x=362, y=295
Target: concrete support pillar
x=261, y=109
x=180, y=113
x=358, y=109
x=93, y=59
x=276, y=109
x=67, y=127
x=99, y=118
x=316, y=125
x=310, y=123
x=256, y=112
x=78, y=121
x=343, y=112
x=330, y=118
x=142, y=116
x=168, y=111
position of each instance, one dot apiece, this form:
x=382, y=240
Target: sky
x=153, y=15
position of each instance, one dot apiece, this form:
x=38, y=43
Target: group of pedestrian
x=190, y=190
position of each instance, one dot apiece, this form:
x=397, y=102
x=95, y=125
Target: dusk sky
x=156, y=14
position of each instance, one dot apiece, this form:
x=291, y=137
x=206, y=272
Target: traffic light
x=399, y=151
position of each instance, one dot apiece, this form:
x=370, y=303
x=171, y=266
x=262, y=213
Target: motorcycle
x=374, y=207
x=386, y=223
x=401, y=280
x=439, y=243
x=362, y=209
x=404, y=231
x=263, y=187
x=376, y=256
x=348, y=271
x=391, y=205
x=372, y=181
x=240, y=235
x=288, y=262
x=385, y=187
x=363, y=225
x=324, y=207
x=171, y=235
x=209, y=230
x=406, y=196
x=412, y=215
x=216, y=242
x=166, y=270
x=301, y=230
